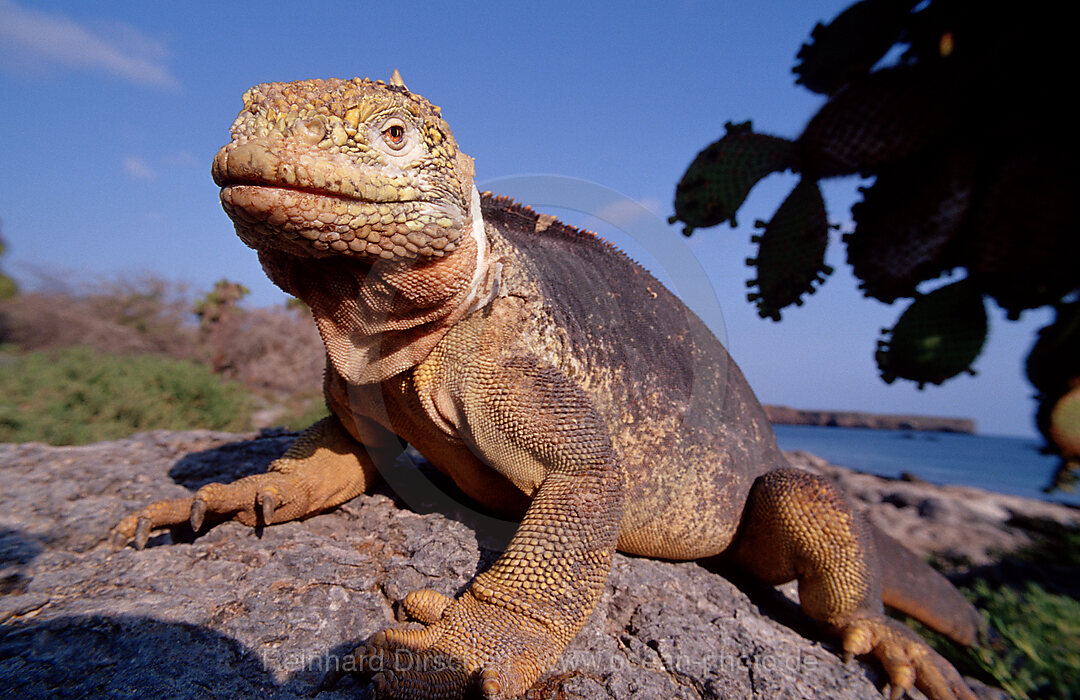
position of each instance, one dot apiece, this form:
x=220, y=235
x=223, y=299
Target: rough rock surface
x=240, y=613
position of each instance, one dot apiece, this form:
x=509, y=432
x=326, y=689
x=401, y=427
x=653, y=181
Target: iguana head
x=345, y=167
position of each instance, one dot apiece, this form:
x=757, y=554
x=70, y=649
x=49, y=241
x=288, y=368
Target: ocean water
x=1004, y=464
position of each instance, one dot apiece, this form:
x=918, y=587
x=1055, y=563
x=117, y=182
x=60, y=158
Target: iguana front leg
x=323, y=468
x=513, y=622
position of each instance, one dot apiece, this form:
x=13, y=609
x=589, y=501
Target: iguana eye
x=394, y=136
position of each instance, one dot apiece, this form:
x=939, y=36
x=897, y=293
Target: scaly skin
x=549, y=376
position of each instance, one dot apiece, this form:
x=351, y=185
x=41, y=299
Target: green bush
x=78, y=395
x=1038, y=652
x=1033, y=646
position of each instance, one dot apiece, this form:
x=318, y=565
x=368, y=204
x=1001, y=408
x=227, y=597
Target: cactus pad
x=1027, y=248
x=791, y=251
x=717, y=182
x=1054, y=361
x=882, y=118
x=1065, y=424
x=850, y=45
x=1064, y=432
x=907, y=224
x=936, y=338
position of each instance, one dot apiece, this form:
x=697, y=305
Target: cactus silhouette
x=954, y=110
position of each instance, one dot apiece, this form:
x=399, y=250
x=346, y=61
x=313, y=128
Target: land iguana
x=550, y=377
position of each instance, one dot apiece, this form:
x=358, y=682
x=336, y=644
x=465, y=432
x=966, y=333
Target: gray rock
x=241, y=613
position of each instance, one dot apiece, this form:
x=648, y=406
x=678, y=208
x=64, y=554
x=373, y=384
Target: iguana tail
x=909, y=585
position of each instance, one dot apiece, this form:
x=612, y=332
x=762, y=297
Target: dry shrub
x=271, y=349
x=144, y=316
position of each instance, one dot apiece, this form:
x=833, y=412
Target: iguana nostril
x=248, y=161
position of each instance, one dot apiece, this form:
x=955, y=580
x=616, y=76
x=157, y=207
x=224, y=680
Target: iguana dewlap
x=550, y=377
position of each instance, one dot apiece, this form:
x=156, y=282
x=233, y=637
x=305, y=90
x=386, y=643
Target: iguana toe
x=415, y=639
x=407, y=674
x=137, y=527
x=906, y=658
x=470, y=645
x=426, y=606
x=142, y=533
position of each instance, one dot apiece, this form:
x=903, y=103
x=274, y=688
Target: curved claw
x=490, y=687
x=491, y=684
x=142, y=533
x=501, y=680
x=380, y=683
x=198, y=512
x=268, y=502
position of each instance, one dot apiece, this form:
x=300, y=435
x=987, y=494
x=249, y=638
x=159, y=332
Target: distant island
x=784, y=415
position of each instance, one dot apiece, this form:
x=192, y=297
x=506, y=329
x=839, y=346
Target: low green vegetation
x=1031, y=648
x=78, y=395
x=1037, y=654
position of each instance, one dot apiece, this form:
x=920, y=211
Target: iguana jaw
x=351, y=168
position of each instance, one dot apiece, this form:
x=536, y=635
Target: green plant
x=1033, y=648
x=8, y=288
x=220, y=303
x=78, y=395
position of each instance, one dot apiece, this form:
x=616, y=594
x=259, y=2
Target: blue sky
x=112, y=112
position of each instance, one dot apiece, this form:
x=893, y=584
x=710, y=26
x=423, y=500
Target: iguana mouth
x=266, y=213
x=262, y=163
x=277, y=204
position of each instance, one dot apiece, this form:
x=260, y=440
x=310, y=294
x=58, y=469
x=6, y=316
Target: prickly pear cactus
x=974, y=159
x=937, y=337
x=1065, y=424
x=1064, y=433
x=908, y=225
x=850, y=45
x=791, y=251
x=882, y=118
x=717, y=182
x=1026, y=245
x=1052, y=370
x=1052, y=363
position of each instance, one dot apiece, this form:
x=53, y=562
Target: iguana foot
x=907, y=659
x=260, y=499
x=466, y=644
x=323, y=468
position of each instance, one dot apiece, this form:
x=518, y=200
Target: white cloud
x=36, y=37
x=138, y=168
x=626, y=211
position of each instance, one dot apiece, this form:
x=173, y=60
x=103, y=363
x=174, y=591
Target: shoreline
x=785, y=415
